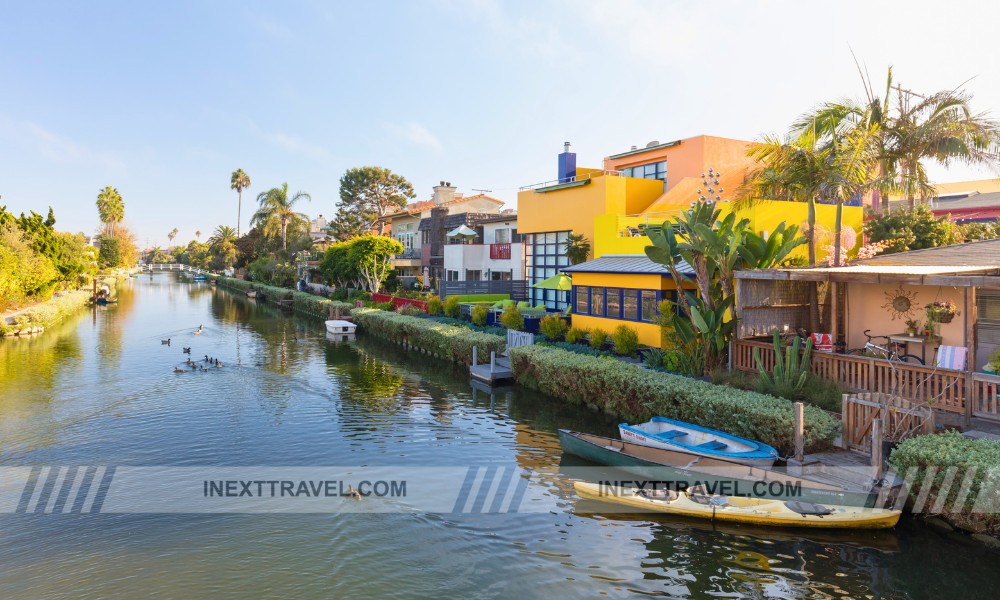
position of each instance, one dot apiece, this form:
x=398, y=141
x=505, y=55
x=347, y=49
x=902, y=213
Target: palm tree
x=276, y=212
x=172, y=235
x=223, y=244
x=197, y=235
x=110, y=207
x=939, y=127
x=239, y=182
x=577, y=248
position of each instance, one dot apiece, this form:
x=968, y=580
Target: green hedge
x=949, y=458
x=304, y=302
x=47, y=313
x=635, y=394
x=452, y=342
x=466, y=298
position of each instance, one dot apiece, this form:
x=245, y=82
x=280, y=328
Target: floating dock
x=495, y=371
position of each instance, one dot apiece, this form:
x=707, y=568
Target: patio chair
x=951, y=357
x=822, y=342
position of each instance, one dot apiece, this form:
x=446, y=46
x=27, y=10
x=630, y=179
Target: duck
x=218, y=364
x=179, y=370
x=353, y=493
x=186, y=350
x=165, y=342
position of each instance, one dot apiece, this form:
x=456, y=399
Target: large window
x=649, y=305
x=630, y=305
x=501, y=236
x=545, y=255
x=657, y=170
x=614, y=303
x=582, y=300
x=597, y=301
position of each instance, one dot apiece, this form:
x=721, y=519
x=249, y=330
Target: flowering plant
x=941, y=312
x=866, y=251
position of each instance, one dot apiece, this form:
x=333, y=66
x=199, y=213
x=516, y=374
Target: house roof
x=417, y=207
x=982, y=254
x=631, y=264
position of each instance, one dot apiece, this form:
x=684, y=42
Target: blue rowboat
x=661, y=432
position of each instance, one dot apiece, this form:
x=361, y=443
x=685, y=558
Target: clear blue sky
x=163, y=100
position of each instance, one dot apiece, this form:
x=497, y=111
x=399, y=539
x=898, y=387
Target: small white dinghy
x=661, y=432
x=337, y=326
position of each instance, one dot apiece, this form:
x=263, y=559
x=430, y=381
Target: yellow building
x=612, y=207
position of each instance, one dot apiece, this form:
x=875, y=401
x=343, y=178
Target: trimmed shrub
x=575, y=335
x=450, y=341
x=435, y=306
x=633, y=393
x=598, y=338
x=512, y=319
x=480, y=312
x=301, y=301
x=626, y=340
x=410, y=310
x=577, y=348
x=470, y=325
x=452, y=307
x=948, y=459
x=47, y=313
x=552, y=327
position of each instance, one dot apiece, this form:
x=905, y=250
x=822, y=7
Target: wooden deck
x=500, y=371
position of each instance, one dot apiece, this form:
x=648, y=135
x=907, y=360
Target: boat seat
x=713, y=445
x=669, y=435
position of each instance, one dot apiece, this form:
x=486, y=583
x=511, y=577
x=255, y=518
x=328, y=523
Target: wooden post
x=800, y=438
x=475, y=355
x=493, y=361
x=845, y=421
x=877, y=447
x=834, y=325
x=971, y=316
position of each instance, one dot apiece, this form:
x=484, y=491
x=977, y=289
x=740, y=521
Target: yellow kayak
x=755, y=511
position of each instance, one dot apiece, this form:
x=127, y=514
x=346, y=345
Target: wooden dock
x=497, y=370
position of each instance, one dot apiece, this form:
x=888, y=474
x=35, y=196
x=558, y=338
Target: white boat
x=662, y=432
x=337, y=326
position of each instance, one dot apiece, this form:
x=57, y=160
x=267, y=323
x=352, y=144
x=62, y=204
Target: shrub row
x=47, y=313
x=633, y=393
x=301, y=301
x=449, y=341
x=948, y=458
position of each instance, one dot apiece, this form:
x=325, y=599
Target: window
x=452, y=275
x=630, y=305
x=501, y=275
x=473, y=275
x=597, y=301
x=544, y=254
x=657, y=170
x=649, y=306
x=614, y=303
x=582, y=299
x=501, y=236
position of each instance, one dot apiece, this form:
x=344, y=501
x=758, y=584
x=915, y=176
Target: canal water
x=100, y=389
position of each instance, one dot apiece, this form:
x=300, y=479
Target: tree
x=337, y=267
x=110, y=256
x=372, y=255
x=197, y=235
x=911, y=230
x=577, y=248
x=173, y=233
x=223, y=245
x=110, y=208
x=239, y=182
x=939, y=127
x=277, y=212
x=372, y=193
x=714, y=249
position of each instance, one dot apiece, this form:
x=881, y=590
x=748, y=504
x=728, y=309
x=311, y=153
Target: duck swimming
x=187, y=350
x=179, y=370
x=165, y=342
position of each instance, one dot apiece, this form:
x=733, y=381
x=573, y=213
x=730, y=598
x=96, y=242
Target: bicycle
x=888, y=352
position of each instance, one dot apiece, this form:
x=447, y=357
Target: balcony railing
x=499, y=251
x=411, y=253
x=583, y=177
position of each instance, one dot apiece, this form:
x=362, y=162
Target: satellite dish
x=653, y=143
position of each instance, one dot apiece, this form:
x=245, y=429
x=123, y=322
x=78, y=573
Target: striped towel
x=951, y=357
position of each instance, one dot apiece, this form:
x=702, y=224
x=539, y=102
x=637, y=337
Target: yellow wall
x=610, y=230
x=649, y=333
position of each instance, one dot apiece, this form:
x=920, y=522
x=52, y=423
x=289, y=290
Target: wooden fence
x=519, y=338
x=944, y=389
x=898, y=418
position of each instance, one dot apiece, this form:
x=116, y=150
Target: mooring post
x=475, y=355
x=877, y=448
x=493, y=361
x=800, y=438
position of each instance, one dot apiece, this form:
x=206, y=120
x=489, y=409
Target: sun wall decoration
x=900, y=303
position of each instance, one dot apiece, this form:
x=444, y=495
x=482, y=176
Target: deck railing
x=943, y=389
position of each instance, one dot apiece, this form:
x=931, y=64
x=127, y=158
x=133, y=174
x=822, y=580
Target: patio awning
x=868, y=273
x=462, y=231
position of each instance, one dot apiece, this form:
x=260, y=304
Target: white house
x=494, y=254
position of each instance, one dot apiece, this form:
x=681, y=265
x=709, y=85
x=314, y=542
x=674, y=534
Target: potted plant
x=941, y=312
x=993, y=364
x=911, y=326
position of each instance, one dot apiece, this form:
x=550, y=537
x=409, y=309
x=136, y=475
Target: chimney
x=567, y=165
x=443, y=193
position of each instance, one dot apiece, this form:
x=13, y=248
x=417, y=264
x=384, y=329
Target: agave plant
x=790, y=370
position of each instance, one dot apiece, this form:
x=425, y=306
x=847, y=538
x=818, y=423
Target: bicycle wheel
x=910, y=359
